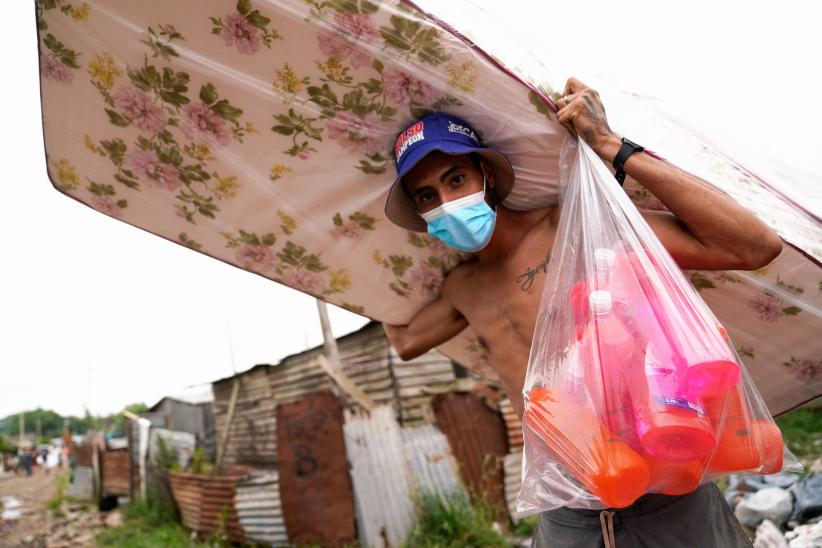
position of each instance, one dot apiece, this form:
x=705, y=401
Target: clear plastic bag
x=633, y=385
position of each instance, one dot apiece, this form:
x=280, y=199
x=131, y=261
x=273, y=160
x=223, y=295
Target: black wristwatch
x=628, y=147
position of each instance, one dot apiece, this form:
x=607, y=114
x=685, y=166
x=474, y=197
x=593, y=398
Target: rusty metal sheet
x=513, y=425
x=115, y=472
x=316, y=491
x=188, y=493
x=207, y=502
x=477, y=435
x=84, y=453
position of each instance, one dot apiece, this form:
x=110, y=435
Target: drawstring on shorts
x=606, y=521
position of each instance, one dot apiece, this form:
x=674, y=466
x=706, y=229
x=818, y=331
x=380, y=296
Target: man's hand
x=582, y=114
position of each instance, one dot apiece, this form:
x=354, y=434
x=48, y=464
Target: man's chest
x=501, y=301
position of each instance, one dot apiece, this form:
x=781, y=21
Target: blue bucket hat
x=448, y=134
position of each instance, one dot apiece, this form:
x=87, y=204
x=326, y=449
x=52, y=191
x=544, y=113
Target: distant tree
x=6, y=446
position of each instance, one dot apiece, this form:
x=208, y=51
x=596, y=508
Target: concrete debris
x=805, y=536
x=771, y=503
x=768, y=535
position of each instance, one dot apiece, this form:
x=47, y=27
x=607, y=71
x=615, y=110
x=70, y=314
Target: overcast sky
x=100, y=314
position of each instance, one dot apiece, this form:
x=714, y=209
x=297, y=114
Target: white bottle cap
x=600, y=301
x=604, y=258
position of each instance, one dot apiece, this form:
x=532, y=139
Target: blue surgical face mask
x=465, y=224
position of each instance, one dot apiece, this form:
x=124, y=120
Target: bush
x=802, y=431
x=147, y=523
x=526, y=526
x=452, y=521
x=56, y=502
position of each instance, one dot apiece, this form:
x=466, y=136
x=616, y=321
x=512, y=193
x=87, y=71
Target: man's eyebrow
x=449, y=171
x=444, y=176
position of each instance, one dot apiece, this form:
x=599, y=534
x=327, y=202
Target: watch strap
x=628, y=147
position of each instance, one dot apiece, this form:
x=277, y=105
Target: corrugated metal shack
x=429, y=430
x=367, y=359
x=190, y=412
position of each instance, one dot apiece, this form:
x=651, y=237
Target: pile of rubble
x=785, y=510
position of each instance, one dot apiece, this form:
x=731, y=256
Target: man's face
x=440, y=178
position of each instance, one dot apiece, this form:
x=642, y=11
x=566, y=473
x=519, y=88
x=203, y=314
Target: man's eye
x=457, y=179
x=425, y=197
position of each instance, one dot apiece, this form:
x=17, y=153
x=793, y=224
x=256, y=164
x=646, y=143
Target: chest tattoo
x=526, y=279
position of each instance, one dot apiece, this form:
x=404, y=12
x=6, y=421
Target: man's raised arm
x=435, y=324
x=706, y=229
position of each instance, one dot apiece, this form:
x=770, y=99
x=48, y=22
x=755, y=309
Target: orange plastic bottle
x=674, y=478
x=605, y=465
x=743, y=443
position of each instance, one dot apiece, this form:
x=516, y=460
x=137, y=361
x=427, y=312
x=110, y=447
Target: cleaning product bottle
x=605, y=465
x=672, y=424
x=743, y=443
x=674, y=478
x=615, y=368
x=677, y=323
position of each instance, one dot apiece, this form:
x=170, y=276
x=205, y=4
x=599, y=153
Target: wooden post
x=332, y=365
x=232, y=403
x=21, y=427
x=329, y=342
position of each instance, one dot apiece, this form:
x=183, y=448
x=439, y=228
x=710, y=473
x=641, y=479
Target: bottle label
x=680, y=403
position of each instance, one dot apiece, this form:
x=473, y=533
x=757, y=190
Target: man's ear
x=488, y=170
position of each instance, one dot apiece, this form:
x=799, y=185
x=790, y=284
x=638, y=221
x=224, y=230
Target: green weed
x=453, y=521
x=802, y=431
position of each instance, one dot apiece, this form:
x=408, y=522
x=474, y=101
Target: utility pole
x=21, y=427
x=38, y=429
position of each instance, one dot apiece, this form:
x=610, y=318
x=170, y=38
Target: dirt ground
x=71, y=526
x=32, y=494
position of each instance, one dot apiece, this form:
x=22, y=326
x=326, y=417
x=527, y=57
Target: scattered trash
x=768, y=535
x=11, y=508
x=755, y=483
x=808, y=495
x=734, y=497
x=805, y=536
x=773, y=503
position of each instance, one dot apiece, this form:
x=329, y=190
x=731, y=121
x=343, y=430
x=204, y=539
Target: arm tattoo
x=526, y=279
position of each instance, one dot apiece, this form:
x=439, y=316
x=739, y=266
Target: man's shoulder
x=456, y=279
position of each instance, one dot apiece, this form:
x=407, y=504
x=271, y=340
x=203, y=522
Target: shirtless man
x=497, y=292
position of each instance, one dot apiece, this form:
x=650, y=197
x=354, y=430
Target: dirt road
x=24, y=508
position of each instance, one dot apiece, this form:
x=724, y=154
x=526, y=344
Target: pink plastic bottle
x=678, y=327
x=616, y=361
x=672, y=424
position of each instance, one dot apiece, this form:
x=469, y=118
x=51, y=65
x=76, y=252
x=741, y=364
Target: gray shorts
x=700, y=519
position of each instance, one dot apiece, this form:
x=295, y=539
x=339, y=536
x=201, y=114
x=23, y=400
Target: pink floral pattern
x=367, y=135
x=426, y=280
x=809, y=371
x=348, y=231
x=107, y=205
x=201, y=123
x=52, y=68
x=240, y=33
x=402, y=88
x=140, y=109
x=148, y=167
x=353, y=34
x=255, y=257
x=767, y=307
x=304, y=280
